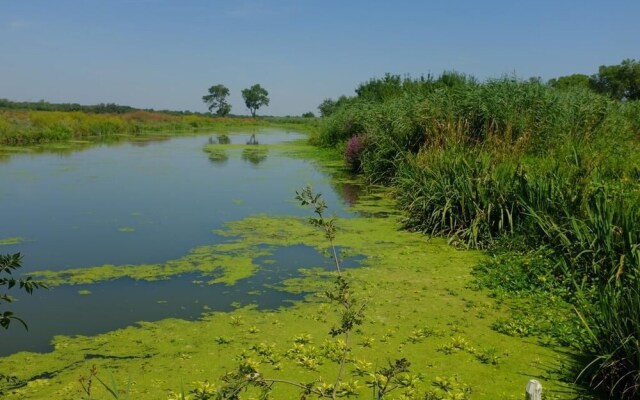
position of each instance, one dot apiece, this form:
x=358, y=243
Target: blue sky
x=166, y=53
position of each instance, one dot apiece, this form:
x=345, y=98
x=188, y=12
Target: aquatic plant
x=353, y=151
x=248, y=374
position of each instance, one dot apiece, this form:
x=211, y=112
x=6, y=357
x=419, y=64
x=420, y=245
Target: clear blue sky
x=166, y=53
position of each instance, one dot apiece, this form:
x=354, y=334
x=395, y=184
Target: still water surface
x=149, y=202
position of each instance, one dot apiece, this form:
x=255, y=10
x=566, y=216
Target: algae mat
x=420, y=306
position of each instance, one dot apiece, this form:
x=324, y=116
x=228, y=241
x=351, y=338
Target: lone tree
x=255, y=97
x=217, y=99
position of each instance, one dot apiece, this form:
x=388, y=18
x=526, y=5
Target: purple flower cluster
x=353, y=152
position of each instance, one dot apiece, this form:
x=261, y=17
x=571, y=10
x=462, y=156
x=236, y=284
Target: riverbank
x=59, y=129
x=422, y=304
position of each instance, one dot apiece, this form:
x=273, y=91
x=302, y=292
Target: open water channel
x=146, y=202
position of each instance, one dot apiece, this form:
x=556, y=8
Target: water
x=131, y=204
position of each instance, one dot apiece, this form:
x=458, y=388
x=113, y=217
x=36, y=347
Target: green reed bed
x=24, y=128
x=513, y=164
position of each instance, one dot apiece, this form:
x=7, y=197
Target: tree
x=571, y=81
x=255, y=97
x=8, y=264
x=621, y=82
x=327, y=107
x=217, y=99
x=308, y=115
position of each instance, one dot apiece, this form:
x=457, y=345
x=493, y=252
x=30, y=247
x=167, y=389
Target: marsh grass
x=519, y=165
x=25, y=128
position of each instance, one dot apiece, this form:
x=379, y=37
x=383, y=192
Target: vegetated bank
x=36, y=127
x=547, y=180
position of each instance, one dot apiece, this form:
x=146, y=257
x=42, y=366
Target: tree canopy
x=255, y=97
x=217, y=99
x=571, y=81
x=621, y=82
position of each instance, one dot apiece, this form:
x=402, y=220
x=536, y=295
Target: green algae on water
x=417, y=293
x=11, y=241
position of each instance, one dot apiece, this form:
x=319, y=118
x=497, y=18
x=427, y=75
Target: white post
x=533, y=390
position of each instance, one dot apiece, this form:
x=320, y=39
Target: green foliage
x=9, y=263
x=621, y=82
x=329, y=106
x=217, y=99
x=102, y=108
x=571, y=82
x=255, y=97
x=24, y=128
x=518, y=165
x=308, y=115
x=380, y=89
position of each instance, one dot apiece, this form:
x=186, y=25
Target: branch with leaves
x=9, y=263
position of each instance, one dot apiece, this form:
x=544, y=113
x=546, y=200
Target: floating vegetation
x=11, y=241
x=217, y=155
x=255, y=155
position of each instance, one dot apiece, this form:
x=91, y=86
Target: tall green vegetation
x=36, y=127
x=620, y=82
x=514, y=164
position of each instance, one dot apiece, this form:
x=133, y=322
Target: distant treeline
x=620, y=82
x=102, y=108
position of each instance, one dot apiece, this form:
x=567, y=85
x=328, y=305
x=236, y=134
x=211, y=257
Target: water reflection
x=218, y=156
x=252, y=140
x=146, y=142
x=220, y=139
x=349, y=192
x=254, y=155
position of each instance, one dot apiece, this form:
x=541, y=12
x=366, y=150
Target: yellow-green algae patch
x=419, y=305
x=127, y=229
x=11, y=241
x=223, y=263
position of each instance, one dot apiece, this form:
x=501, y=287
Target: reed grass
x=507, y=160
x=20, y=128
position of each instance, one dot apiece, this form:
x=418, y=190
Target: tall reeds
x=508, y=159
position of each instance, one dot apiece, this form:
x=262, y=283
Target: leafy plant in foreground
x=8, y=264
